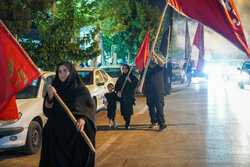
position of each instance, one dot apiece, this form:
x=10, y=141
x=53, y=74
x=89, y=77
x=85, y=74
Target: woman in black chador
x=63, y=145
x=127, y=96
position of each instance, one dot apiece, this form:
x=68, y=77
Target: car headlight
x=4, y=123
x=244, y=76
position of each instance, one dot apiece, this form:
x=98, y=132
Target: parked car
x=96, y=80
x=178, y=75
x=244, y=78
x=25, y=133
x=116, y=71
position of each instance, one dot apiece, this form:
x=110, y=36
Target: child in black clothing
x=110, y=101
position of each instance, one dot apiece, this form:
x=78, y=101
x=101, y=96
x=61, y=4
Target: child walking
x=110, y=101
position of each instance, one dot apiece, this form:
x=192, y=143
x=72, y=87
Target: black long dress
x=127, y=99
x=111, y=98
x=62, y=145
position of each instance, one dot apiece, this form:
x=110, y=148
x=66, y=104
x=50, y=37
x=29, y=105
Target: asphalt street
x=207, y=125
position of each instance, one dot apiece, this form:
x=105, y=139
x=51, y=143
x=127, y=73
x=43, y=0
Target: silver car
x=25, y=133
x=177, y=73
x=96, y=80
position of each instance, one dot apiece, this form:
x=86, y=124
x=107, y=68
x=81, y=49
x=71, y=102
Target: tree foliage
x=111, y=16
x=17, y=15
x=59, y=37
x=140, y=17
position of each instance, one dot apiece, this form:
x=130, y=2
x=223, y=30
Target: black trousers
x=155, y=106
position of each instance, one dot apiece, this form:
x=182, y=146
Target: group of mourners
x=124, y=91
x=63, y=145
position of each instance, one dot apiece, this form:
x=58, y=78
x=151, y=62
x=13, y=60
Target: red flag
x=142, y=56
x=199, y=43
x=16, y=68
x=220, y=15
x=11, y=110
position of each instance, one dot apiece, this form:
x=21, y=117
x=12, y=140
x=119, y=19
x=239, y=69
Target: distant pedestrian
x=154, y=91
x=167, y=76
x=110, y=101
x=127, y=95
x=187, y=67
x=170, y=68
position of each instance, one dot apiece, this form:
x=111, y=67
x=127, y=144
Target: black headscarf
x=72, y=82
x=128, y=70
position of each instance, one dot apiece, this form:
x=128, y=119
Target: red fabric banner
x=142, y=56
x=16, y=68
x=220, y=15
x=10, y=111
x=199, y=43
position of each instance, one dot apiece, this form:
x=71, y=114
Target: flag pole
x=71, y=116
x=152, y=48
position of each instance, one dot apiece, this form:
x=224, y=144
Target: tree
x=111, y=15
x=140, y=17
x=59, y=37
x=17, y=15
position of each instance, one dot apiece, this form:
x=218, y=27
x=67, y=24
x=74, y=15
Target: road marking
x=113, y=153
x=105, y=146
x=143, y=110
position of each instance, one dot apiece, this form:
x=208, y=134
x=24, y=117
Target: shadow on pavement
x=144, y=127
x=11, y=154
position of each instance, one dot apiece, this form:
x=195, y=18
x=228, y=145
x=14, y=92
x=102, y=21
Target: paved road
x=208, y=125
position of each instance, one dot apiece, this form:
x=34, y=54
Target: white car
x=25, y=133
x=244, y=78
x=116, y=71
x=113, y=71
x=96, y=80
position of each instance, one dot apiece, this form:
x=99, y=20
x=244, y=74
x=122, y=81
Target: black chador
x=127, y=98
x=62, y=145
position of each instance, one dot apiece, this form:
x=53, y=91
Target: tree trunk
x=129, y=55
x=103, y=56
x=53, y=10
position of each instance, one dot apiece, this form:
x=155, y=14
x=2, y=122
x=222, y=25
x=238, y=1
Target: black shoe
x=163, y=126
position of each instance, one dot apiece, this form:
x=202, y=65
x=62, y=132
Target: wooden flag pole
x=74, y=121
x=152, y=48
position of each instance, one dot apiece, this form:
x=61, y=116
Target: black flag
x=167, y=34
